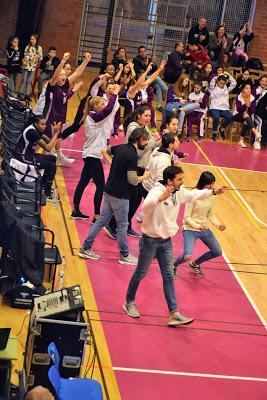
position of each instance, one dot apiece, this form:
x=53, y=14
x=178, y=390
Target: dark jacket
x=194, y=36
x=246, y=38
x=261, y=110
x=14, y=58
x=141, y=65
x=54, y=65
x=116, y=61
x=174, y=67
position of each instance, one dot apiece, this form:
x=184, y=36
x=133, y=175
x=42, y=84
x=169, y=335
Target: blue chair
x=71, y=388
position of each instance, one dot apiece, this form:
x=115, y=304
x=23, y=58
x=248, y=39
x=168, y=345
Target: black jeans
x=48, y=163
x=92, y=169
x=248, y=123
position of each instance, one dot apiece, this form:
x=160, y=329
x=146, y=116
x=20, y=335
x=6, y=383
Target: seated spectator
x=260, y=88
x=47, y=67
x=226, y=60
x=119, y=57
x=205, y=76
x=242, y=80
x=240, y=45
x=199, y=33
x=32, y=136
x=197, y=116
x=174, y=66
x=245, y=107
x=261, y=115
x=198, y=56
x=218, y=45
x=14, y=57
x=260, y=91
x=141, y=61
x=177, y=102
x=219, y=103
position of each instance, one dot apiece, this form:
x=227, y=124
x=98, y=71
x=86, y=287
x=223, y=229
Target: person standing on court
x=123, y=173
x=160, y=211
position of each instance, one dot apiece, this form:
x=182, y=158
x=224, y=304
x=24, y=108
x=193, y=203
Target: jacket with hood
x=160, y=218
x=159, y=160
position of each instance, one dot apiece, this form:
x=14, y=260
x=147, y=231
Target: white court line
x=242, y=199
x=178, y=373
x=76, y=151
x=257, y=311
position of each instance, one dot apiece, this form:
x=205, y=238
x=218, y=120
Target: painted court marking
x=192, y=374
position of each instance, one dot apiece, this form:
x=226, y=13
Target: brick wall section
x=258, y=47
x=8, y=20
x=61, y=26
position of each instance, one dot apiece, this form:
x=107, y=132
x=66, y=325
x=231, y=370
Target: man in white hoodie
x=161, y=208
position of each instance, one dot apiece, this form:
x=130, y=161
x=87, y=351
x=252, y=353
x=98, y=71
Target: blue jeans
x=26, y=79
x=206, y=237
x=150, y=248
x=173, y=107
x=216, y=114
x=119, y=208
x=160, y=88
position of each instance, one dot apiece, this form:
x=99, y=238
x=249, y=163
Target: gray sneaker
x=179, y=319
x=89, y=253
x=129, y=260
x=196, y=268
x=131, y=310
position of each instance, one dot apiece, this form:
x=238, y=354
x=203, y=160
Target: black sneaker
x=93, y=221
x=132, y=233
x=213, y=137
x=196, y=268
x=174, y=272
x=78, y=215
x=110, y=232
x=160, y=108
x=222, y=134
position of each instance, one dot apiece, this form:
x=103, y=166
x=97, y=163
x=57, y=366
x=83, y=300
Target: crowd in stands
x=198, y=81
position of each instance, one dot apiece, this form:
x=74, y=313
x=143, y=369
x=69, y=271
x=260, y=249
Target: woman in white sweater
x=196, y=217
x=219, y=102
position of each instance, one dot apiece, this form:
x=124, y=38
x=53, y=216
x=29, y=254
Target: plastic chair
x=71, y=388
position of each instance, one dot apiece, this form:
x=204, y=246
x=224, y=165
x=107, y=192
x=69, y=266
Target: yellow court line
x=90, y=302
x=241, y=205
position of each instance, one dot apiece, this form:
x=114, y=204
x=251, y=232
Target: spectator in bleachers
x=259, y=91
x=240, y=45
x=242, y=80
x=198, y=115
x=14, y=57
x=32, y=136
x=174, y=66
x=245, y=107
x=199, y=33
x=47, y=67
x=141, y=61
x=226, y=60
x=198, y=56
x=119, y=57
x=177, y=101
x=261, y=113
x=219, y=103
x=218, y=45
x=32, y=55
x=205, y=76
x=260, y=88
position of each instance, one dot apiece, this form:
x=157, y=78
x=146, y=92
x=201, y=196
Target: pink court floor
x=222, y=355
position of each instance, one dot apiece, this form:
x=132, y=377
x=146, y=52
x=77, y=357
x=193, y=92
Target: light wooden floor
x=244, y=241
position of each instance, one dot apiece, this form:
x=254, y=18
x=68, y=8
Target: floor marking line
x=242, y=198
x=253, y=304
x=190, y=374
x=225, y=181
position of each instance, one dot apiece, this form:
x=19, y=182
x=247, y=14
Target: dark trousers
x=47, y=162
x=92, y=169
x=248, y=123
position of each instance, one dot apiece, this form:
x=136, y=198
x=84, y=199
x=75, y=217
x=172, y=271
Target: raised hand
x=87, y=56
x=162, y=65
x=65, y=57
x=116, y=89
x=120, y=67
x=168, y=192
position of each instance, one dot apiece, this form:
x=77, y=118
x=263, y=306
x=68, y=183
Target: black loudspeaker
x=70, y=338
x=29, y=19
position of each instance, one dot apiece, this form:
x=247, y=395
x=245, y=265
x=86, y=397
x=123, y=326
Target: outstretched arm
x=57, y=72
x=79, y=70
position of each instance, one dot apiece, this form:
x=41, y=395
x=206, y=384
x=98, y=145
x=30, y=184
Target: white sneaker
x=257, y=135
x=242, y=144
x=129, y=260
x=140, y=217
x=64, y=161
x=121, y=128
x=179, y=319
x=257, y=145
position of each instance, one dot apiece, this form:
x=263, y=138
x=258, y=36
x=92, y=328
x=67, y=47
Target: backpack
x=254, y=63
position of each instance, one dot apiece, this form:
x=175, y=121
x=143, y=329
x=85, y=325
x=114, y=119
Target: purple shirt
x=56, y=100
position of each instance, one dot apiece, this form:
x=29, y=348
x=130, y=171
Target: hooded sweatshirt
x=159, y=160
x=160, y=218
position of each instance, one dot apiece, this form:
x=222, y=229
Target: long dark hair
x=10, y=40
x=206, y=178
x=133, y=117
x=37, y=42
x=33, y=119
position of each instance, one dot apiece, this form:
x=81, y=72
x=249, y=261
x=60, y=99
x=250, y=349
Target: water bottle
x=55, y=197
x=61, y=273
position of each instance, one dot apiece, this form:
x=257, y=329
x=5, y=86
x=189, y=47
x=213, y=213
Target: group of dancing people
x=146, y=167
